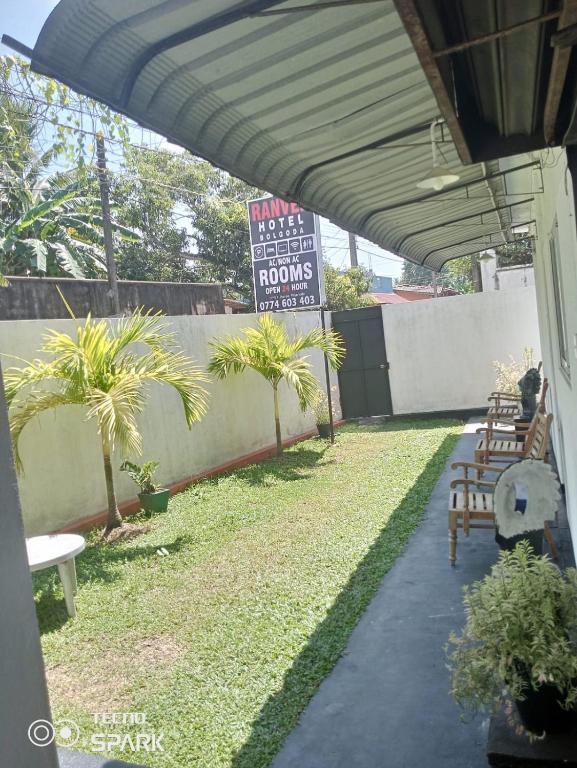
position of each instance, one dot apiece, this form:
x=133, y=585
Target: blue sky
x=23, y=19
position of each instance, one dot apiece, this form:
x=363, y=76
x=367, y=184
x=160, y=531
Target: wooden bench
x=471, y=497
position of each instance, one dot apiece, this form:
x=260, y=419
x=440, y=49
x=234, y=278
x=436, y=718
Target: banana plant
x=50, y=222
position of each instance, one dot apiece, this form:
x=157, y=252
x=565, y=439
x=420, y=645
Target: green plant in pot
x=519, y=640
x=322, y=412
x=152, y=498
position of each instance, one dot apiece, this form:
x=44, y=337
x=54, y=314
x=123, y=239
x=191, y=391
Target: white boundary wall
x=63, y=476
x=441, y=351
x=555, y=214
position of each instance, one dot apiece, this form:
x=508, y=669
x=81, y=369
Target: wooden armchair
x=498, y=444
x=505, y=405
x=472, y=507
x=469, y=505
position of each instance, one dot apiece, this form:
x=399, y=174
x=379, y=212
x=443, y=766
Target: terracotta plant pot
x=155, y=502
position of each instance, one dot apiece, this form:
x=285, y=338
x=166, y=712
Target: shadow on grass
x=292, y=465
x=98, y=563
x=402, y=423
x=280, y=713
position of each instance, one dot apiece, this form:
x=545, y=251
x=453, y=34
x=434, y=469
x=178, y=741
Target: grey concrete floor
x=386, y=703
x=70, y=759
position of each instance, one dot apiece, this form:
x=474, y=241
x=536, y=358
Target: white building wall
x=63, y=475
x=506, y=278
x=555, y=207
x=441, y=352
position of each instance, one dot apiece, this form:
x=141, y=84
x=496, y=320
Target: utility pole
x=106, y=223
x=353, y=249
x=328, y=380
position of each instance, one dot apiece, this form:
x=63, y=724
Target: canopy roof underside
x=329, y=106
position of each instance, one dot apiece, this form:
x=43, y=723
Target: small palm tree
x=268, y=350
x=101, y=372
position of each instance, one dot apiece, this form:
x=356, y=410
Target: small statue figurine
x=529, y=384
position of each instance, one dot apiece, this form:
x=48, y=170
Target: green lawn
x=222, y=641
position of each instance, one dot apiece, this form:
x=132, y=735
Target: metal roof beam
x=431, y=195
x=477, y=237
x=407, y=10
x=458, y=47
x=297, y=187
x=459, y=220
x=188, y=34
x=558, y=74
x=318, y=7
x=494, y=198
x=469, y=253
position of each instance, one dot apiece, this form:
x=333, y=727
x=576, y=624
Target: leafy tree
x=349, y=289
x=101, y=371
x=269, y=351
x=414, y=274
x=147, y=195
x=50, y=221
x=457, y=274
x=519, y=251
x=192, y=218
x=68, y=119
x=222, y=235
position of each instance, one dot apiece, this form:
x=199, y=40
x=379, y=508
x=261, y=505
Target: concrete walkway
x=386, y=703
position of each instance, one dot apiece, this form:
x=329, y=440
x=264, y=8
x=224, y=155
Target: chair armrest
x=467, y=481
x=510, y=422
x=510, y=433
x=475, y=465
x=505, y=395
x=498, y=398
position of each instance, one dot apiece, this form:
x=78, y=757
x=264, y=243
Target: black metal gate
x=364, y=375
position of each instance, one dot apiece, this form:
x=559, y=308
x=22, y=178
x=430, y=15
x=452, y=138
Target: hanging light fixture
x=439, y=176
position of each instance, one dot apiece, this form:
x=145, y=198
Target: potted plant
x=520, y=639
x=152, y=498
x=322, y=414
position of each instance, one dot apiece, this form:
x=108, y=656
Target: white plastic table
x=60, y=550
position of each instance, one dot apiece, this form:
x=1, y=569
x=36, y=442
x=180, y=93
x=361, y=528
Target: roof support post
x=500, y=33
x=558, y=74
x=407, y=10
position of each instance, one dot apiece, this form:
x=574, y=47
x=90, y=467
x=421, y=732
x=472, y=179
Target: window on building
x=559, y=304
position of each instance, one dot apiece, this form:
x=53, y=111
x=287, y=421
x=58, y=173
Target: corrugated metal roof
x=387, y=298
x=329, y=107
